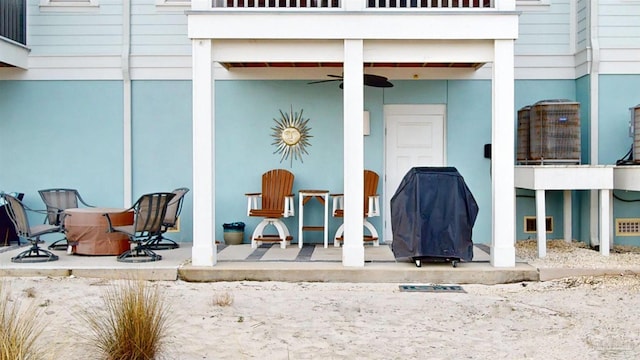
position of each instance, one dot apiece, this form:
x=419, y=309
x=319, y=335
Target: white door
x=415, y=136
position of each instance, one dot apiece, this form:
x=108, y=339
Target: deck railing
x=13, y=20
x=381, y=4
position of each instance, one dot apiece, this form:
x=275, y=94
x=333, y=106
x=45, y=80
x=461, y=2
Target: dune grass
x=133, y=323
x=19, y=328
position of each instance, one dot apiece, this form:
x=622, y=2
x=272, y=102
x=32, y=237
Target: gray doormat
x=432, y=288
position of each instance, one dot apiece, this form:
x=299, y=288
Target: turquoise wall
x=617, y=94
x=581, y=199
x=62, y=134
x=69, y=134
x=161, y=143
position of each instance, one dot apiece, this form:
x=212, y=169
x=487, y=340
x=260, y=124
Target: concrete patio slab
x=271, y=263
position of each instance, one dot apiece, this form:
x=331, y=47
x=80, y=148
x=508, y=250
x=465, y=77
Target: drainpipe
x=126, y=101
x=594, y=72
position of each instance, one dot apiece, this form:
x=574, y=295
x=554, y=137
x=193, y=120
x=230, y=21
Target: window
x=520, y=3
x=68, y=3
x=185, y=3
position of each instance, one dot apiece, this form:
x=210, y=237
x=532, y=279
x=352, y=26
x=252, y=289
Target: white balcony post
x=504, y=5
x=354, y=5
x=503, y=155
x=353, y=97
x=203, y=252
x=200, y=4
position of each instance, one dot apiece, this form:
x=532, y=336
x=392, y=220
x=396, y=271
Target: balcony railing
x=382, y=4
x=13, y=20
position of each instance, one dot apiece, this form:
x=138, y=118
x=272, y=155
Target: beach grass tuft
x=20, y=329
x=133, y=323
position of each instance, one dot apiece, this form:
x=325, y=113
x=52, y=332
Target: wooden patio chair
x=371, y=208
x=17, y=212
x=276, y=202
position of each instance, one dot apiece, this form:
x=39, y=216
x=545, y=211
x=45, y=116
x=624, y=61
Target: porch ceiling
x=229, y=65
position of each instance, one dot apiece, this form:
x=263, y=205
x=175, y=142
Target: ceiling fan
x=369, y=80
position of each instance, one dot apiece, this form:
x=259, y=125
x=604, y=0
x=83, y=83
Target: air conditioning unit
x=555, y=132
x=522, y=154
x=634, y=123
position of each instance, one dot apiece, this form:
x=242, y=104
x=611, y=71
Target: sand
x=574, y=318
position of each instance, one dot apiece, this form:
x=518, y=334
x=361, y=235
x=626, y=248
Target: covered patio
x=312, y=263
x=225, y=48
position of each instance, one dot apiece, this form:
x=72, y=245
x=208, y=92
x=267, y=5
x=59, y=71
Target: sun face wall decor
x=291, y=136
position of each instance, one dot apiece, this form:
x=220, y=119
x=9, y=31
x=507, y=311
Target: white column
x=353, y=97
x=541, y=223
x=567, y=216
x=605, y=195
x=594, y=207
x=200, y=4
x=505, y=4
x=203, y=252
x=503, y=157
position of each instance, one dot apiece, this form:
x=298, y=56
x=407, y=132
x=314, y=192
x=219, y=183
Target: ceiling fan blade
x=323, y=81
x=377, y=81
x=369, y=80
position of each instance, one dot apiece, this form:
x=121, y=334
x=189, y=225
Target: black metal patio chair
x=57, y=201
x=17, y=212
x=170, y=220
x=149, y=212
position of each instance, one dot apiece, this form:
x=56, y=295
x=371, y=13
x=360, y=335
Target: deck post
x=503, y=155
x=353, y=97
x=203, y=252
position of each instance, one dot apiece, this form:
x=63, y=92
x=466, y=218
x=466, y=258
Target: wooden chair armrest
x=374, y=206
x=289, y=205
x=252, y=201
x=338, y=203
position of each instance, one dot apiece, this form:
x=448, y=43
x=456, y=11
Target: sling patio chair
x=371, y=209
x=170, y=220
x=17, y=212
x=149, y=212
x=276, y=202
x=57, y=201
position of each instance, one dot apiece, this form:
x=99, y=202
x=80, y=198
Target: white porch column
x=505, y=4
x=353, y=97
x=502, y=167
x=203, y=252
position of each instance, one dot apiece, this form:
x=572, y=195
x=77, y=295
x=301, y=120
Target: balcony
x=13, y=33
x=256, y=37
x=13, y=20
x=370, y=4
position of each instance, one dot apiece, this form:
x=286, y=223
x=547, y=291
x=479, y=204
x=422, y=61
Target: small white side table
x=323, y=197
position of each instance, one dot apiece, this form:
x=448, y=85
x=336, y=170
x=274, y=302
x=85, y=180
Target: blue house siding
x=161, y=143
x=617, y=94
x=87, y=153
x=62, y=134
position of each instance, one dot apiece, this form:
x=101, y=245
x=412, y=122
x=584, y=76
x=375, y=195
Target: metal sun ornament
x=291, y=136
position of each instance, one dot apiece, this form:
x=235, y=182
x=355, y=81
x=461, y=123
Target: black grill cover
x=432, y=215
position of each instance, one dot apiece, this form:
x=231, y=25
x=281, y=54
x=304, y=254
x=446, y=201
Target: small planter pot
x=233, y=233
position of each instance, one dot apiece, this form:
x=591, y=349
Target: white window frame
x=174, y=3
x=532, y=4
x=68, y=5
x=68, y=2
